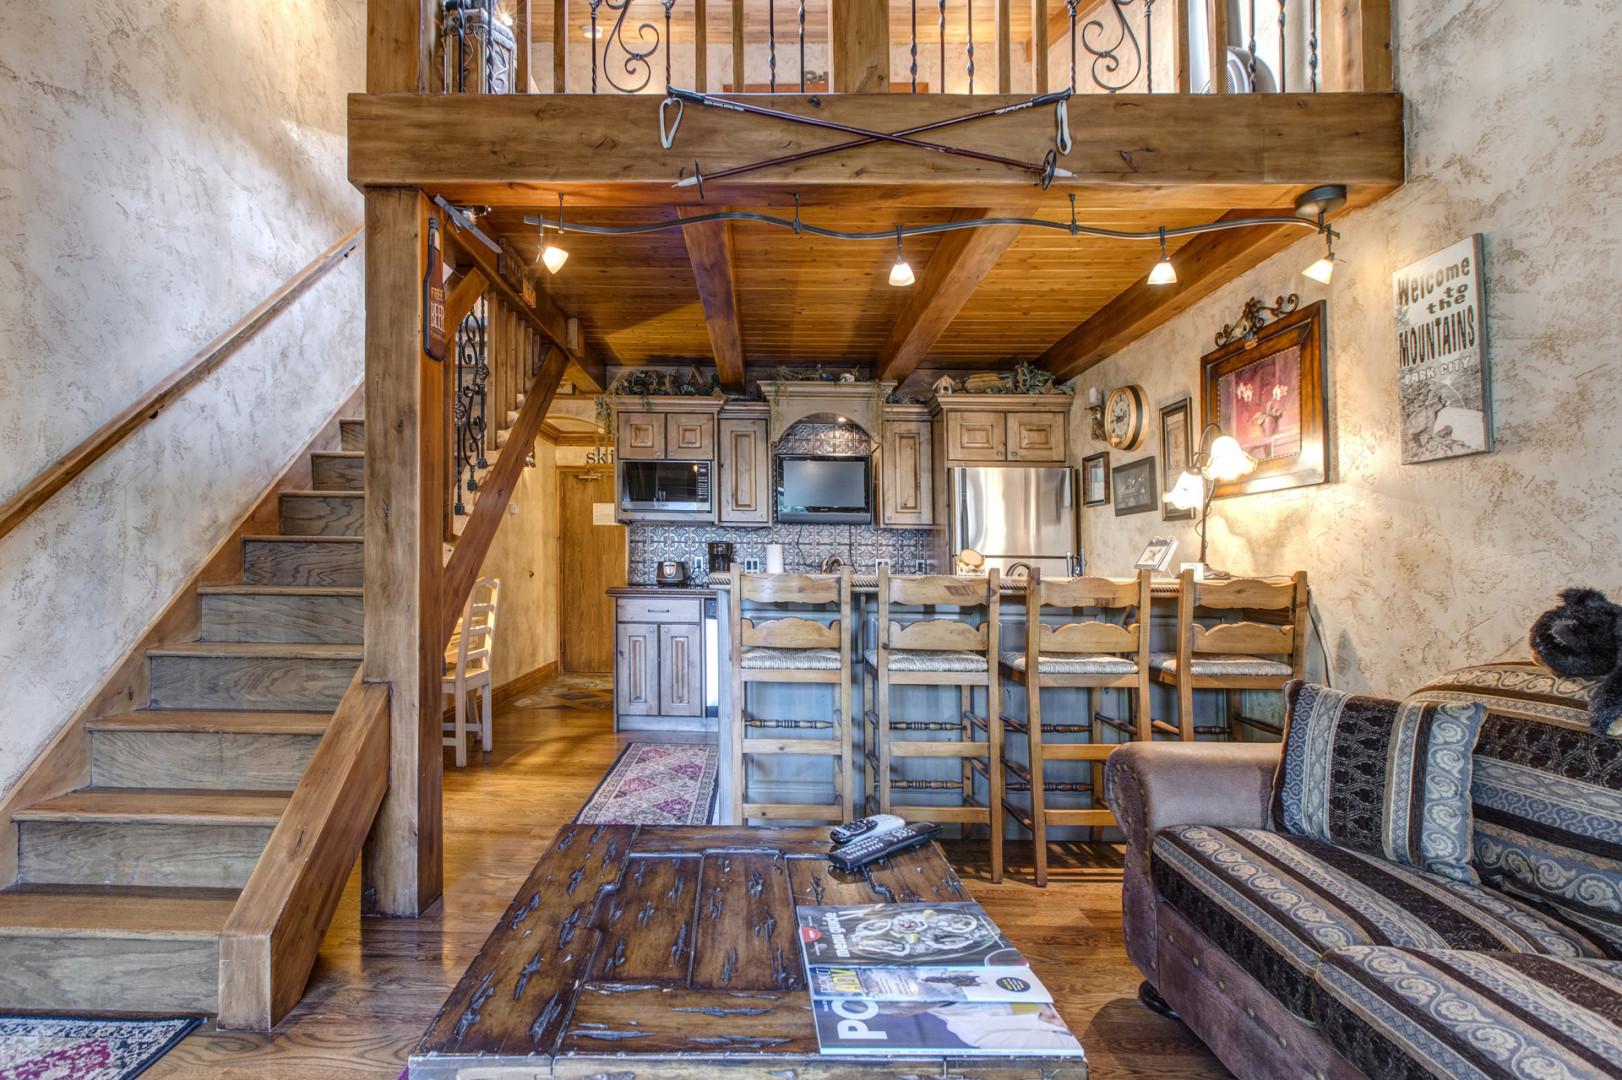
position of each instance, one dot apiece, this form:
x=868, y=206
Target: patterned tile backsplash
x=804, y=546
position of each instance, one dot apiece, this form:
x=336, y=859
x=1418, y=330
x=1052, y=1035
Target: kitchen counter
x=662, y=590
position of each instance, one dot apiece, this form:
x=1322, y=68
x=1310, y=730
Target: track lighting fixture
x=900, y=273
x=1323, y=270
x=1164, y=273
x=552, y=255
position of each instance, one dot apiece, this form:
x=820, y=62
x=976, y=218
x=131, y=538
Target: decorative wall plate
x=1124, y=415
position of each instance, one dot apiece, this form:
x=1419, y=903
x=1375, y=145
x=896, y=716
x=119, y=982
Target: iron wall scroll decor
x=435, y=339
x=1252, y=317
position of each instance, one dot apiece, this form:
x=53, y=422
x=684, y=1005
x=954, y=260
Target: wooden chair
x=1263, y=651
x=467, y=661
x=791, y=649
x=936, y=652
x=1104, y=651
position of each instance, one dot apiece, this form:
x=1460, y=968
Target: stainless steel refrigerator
x=1016, y=515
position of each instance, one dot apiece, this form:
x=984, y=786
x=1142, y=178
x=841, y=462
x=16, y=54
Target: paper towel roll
x=774, y=558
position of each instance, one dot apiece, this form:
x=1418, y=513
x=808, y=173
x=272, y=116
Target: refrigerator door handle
x=1069, y=479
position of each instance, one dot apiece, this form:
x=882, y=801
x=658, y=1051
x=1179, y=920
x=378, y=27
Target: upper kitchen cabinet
x=667, y=429
x=690, y=436
x=641, y=436
x=745, y=464
x=1013, y=429
x=906, y=469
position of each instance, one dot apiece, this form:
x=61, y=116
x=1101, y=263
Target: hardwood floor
x=379, y=982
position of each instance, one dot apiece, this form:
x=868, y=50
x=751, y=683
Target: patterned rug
x=589, y=693
x=85, y=1048
x=656, y=784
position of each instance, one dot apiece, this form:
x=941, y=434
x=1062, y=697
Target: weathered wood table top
x=642, y=951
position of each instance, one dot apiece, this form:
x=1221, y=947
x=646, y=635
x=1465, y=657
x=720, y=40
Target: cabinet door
x=641, y=436
x=690, y=436
x=976, y=436
x=681, y=670
x=907, y=475
x=636, y=669
x=1036, y=436
x=745, y=473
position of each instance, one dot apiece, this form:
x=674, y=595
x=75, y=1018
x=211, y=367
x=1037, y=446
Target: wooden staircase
x=126, y=886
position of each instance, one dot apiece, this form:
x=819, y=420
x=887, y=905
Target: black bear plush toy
x=1583, y=638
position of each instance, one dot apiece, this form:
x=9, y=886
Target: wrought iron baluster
x=913, y=51
x=637, y=62
x=969, y=6
x=802, y=46
x=1149, y=45
x=1283, y=53
x=771, y=45
x=1252, y=46
x=468, y=404
x=1312, y=45
x=1070, y=5
x=595, y=4
x=1109, y=72
x=941, y=4
x=670, y=48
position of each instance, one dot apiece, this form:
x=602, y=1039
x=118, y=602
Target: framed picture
x=1158, y=555
x=1095, y=479
x=1176, y=453
x=1442, y=379
x=1134, y=485
x=1267, y=390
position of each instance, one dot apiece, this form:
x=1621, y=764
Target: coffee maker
x=720, y=556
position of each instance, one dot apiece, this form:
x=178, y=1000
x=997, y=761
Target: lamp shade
x=554, y=257
x=901, y=274
x=1164, y=273
x=1228, y=460
x=1323, y=270
x=1187, y=494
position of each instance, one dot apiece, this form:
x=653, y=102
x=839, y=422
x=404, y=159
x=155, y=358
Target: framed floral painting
x=1267, y=390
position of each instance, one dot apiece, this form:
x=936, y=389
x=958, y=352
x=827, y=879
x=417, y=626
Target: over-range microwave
x=666, y=487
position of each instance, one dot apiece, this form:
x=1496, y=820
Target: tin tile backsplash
x=804, y=547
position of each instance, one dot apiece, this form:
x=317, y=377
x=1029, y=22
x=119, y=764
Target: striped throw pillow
x=1385, y=777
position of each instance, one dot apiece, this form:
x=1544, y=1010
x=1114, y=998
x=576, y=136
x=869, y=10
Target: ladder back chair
x=467, y=661
x=787, y=647
x=1264, y=650
x=1105, y=647
x=936, y=651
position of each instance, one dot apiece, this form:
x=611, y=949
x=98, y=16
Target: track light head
x=1164, y=273
x=553, y=257
x=901, y=273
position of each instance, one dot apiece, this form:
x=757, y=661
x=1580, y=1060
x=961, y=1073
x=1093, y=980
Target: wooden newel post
x=859, y=47
x=406, y=486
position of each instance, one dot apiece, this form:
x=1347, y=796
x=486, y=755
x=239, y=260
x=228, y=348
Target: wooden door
x=636, y=670
x=681, y=670
x=976, y=436
x=641, y=436
x=690, y=436
x=906, y=475
x=591, y=561
x=1036, y=436
x=745, y=473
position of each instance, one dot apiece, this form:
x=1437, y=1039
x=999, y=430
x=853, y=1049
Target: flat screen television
x=830, y=490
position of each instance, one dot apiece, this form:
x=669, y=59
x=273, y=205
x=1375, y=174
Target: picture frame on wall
x=1266, y=388
x=1095, y=479
x=1135, y=488
x=1176, y=452
x=1444, y=387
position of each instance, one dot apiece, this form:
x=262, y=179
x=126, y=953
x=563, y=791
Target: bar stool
x=1095, y=653
x=791, y=649
x=936, y=652
x=1262, y=651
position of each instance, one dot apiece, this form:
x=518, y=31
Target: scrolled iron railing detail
x=1116, y=65
x=468, y=413
x=638, y=60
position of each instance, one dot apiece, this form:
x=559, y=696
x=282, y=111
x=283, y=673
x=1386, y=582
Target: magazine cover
x=953, y=1028
x=904, y=935
x=928, y=984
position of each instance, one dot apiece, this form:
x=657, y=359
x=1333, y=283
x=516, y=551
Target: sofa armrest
x=1152, y=786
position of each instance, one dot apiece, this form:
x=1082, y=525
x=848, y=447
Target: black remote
x=858, y=853
x=867, y=826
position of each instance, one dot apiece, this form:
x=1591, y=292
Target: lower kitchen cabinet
x=660, y=663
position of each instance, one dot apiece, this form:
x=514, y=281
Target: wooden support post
x=1180, y=47
x=859, y=47
x=1358, y=45
x=701, y=45
x=709, y=249
x=1005, y=47
x=400, y=36
x=738, y=84
x=1216, y=26
x=1039, y=46
x=405, y=492
x=522, y=46
x=560, y=46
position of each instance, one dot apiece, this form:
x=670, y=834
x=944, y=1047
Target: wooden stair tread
x=155, y=806
x=82, y=911
x=265, y=649
x=323, y=493
x=277, y=590
x=351, y=454
x=230, y=722
x=303, y=538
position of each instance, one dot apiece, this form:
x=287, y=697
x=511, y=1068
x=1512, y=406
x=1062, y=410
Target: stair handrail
x=59, y=473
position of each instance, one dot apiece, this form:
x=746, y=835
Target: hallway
x=379, y=982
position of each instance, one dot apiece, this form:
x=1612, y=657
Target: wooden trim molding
x=56, y=476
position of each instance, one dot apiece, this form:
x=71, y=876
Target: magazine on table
x=952, y=935
x=832, y=981
x=945, y=1028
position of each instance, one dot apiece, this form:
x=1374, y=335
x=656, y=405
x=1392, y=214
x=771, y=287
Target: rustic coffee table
x=670, y=951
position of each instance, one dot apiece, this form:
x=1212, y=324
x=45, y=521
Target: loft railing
x=935, y=46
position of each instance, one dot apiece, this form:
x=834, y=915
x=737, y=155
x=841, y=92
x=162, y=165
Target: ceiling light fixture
x=900, y=273
x=1164, y=273
x=552, y=255
x=1323, y=271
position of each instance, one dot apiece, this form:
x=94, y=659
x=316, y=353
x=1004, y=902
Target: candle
x=1095, y=397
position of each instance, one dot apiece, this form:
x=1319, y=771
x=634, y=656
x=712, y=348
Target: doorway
x=591, y=560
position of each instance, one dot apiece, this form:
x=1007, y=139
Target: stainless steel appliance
x=665, y=487
x=720, y=556
x=671, y=573
x=1016, y=515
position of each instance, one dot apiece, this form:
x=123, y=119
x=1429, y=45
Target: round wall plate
x=1124, y=416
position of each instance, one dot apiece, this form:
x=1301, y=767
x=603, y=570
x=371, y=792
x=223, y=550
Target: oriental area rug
x=656, y=784
x=85, y=1048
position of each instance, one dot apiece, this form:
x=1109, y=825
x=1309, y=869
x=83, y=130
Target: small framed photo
x=1095, y=479
x=1134, y=485
x=1158, y=555
x=1176, y=453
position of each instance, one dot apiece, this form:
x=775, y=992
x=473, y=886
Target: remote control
x=867, y=826
x=858, y=853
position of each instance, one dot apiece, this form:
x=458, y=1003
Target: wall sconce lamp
x=1220, y=460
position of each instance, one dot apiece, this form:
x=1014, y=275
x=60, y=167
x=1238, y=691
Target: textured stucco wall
x=163, y=167
x=524, y=555
x=1513, y=121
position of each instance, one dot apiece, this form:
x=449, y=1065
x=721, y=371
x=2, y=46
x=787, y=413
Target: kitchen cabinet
x=1037, y=437
x=906, y=475
x=657, y=433
x=636, y=669
x=641, y=436
x=980, y=435
x=690, y=436
x=746, y=467
x=1009, y=429
x=660, y=661
x=681, y=670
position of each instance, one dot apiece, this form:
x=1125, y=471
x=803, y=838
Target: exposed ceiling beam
x=709, y=249
x=960, y=262
x=463, y=295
